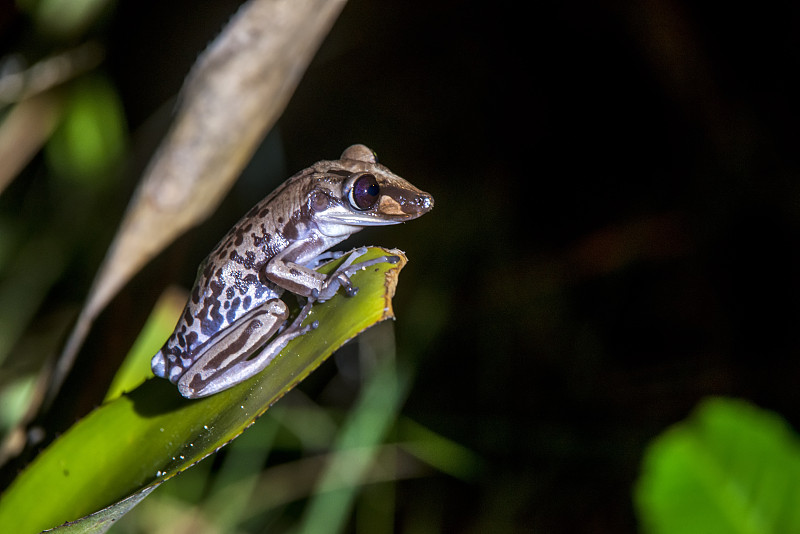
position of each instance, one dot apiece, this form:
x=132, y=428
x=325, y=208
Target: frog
x=236, y=322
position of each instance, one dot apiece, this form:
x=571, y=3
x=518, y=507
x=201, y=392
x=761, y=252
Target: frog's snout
x=425, y=202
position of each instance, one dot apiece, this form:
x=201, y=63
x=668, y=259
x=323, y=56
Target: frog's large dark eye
x=364, y=193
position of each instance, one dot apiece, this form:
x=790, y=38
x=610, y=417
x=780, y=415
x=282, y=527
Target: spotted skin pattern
x=269, y=251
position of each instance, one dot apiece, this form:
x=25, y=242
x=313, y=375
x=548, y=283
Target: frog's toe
x=159, y=365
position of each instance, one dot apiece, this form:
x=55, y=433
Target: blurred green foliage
x=88, y=144
x=729, y=468
x=64, y=19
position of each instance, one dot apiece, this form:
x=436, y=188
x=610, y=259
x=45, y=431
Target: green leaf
x=730, y=468
x=101, y=521
x=91, y=138
x=65, y=18
x=152, y=433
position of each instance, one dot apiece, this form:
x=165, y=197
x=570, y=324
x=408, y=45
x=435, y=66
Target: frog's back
x=229, y=281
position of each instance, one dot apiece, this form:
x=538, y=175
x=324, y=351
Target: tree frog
x=235, y=308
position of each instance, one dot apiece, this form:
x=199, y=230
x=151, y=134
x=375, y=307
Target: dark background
x=615, y=228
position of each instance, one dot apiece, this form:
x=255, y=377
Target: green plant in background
x=729, y=468
x=91, y=137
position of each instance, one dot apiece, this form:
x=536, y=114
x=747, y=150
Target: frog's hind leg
x=243, y=350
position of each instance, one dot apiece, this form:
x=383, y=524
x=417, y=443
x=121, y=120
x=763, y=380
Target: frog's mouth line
x=388, y=210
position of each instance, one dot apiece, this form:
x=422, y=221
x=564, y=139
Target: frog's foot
x=235, y=353
x=295, y=327
x=341, y=276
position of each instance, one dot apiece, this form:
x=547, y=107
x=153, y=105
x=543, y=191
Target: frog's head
x=357, y=191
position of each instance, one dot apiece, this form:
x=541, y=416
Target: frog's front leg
x=341, y=276
x=234, y=356
x=297, y=278
x=325, y=257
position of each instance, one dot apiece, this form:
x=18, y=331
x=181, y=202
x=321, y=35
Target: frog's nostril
x=425, y=201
